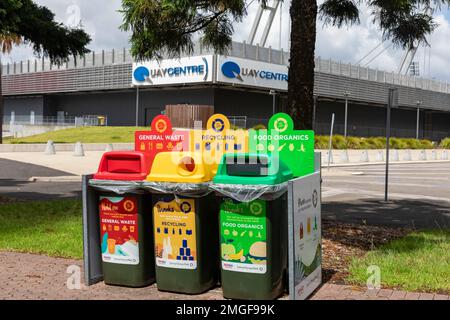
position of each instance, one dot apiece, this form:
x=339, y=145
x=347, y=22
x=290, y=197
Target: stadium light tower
x=272, y=11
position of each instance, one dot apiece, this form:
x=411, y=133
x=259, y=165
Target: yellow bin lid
x=180, y=167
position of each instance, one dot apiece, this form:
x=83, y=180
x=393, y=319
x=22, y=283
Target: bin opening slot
x=252, y=166
x=186, y=166
x=124, y=165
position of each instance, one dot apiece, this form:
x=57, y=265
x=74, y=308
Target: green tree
x=23, y=21
x=168, y=26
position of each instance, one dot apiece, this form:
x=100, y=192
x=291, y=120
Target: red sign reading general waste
x=161, y=138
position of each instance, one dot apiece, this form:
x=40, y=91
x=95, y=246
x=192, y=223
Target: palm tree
x=165, y=26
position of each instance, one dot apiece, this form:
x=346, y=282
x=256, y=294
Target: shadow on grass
x=415, y=214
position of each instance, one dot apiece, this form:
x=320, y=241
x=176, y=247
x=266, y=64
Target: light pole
x=137, y=106
x=346, y=95
x=419, y=103
x=392, y=103
x=314, y=112
x=273, y=93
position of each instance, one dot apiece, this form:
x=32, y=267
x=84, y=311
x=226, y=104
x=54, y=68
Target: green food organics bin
x=125, y=219
x=185, y=223
x=253, y=226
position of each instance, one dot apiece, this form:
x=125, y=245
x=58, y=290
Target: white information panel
x=244, y=72
x=173, y=71
x=305, y=240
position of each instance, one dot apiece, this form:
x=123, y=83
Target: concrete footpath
x=30, y=276
x=63, y=161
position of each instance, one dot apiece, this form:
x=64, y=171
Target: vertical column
x=417, y=123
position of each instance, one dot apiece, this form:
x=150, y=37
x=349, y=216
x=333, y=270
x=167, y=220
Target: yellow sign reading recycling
x=218, y=139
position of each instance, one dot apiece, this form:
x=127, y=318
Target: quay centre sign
x=209, y=69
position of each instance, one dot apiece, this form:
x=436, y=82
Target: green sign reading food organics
x=294, y=147
x=243, y=236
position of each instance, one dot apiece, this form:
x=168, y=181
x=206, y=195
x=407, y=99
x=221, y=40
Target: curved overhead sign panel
x=173, y=71
x=251, y=73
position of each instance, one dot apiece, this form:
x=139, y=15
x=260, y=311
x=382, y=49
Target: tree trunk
x=301, y=71
x=1, y=104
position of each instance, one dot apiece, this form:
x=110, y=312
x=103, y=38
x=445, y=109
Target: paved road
x=419, y=194
x=14, y=182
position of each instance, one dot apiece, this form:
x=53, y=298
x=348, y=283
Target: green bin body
x=253, y=235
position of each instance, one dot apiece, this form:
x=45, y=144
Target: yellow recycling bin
x=185, y=223
x=187, y=167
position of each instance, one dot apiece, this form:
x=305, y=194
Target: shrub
x=397, y=143
x=376, y=143
x=321, y=142
x=355, y=143
x=339, y=142
x=426, y=144
x=259, y=127
x=413, y=144
x=445, y=143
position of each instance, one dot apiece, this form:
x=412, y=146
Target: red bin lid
x=123, y=165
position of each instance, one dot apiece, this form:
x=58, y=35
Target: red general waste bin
x=125, y=221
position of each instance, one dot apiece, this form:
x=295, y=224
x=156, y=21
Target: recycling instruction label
x=119, y=230
x=243, y=233
x=175, y=237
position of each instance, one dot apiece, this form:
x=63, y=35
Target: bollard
x=433, y=155
x=407, y=156
x=380, y=156
x=79, y=151
x=50, y=148
x=394, y=155
x=422, y=155
x=364, y=156
x=109, y=147
x=344, y=156
x=445, y=155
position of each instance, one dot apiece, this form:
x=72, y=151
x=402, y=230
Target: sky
x=101, y=20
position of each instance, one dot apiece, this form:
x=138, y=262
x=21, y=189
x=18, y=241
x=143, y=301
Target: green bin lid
x=253, y=169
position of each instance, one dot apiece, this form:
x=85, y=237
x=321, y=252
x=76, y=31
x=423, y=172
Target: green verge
x=44, y=227
x=84, y=135
x=418, y=262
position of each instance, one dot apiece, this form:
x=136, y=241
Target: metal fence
x=36, y=120
x=238, y=49
x=365, y=131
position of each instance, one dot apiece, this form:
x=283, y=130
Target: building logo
x=141, y=74
x=233, y=70
x=149, y=74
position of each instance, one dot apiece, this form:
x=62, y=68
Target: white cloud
x=101, y=19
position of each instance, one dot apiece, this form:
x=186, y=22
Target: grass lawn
x=418, y=262
x=49, y=227
x=84, y=135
